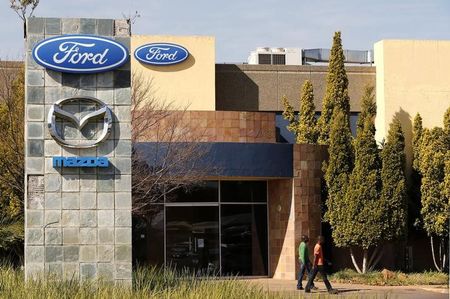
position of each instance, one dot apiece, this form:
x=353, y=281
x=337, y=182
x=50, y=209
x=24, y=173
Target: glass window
x=207, y=191
x=148, y=237
x=283, y=135
x=243, y=191
x=244, y=239
x=192, y=235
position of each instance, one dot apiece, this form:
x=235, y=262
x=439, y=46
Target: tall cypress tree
x=337, y=172
x=414, y=203
x=393, y=192
x=417, y=140
x=362, y=199
x=303, y=127
x=435, y=206
x=306, y=129
x=368, y=107
x=447, y=127
x=336, y=91
x=289, y=115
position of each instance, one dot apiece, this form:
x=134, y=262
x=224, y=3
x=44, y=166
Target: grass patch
x=148, y=283
x=397, y=279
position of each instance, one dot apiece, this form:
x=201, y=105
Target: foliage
x=414, y=203
x=435, y=207
x=304, y=128
x=148, y=283
x=363, y=214
x=393, y=192
x=336, y=93
x=11, y=130
x=431, y=162
x=337, y=173
x=24, y=8
x=307, y=119
x=11, y=160
x=368, y=107
x=446, y=184
x=289, y=115
x=398, y=279
x=417, y=140
x=11, y=238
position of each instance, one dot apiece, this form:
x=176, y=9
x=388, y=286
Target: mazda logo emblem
x=57, y=112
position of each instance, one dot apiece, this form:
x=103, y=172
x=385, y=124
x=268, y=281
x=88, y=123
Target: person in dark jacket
x=318, y=266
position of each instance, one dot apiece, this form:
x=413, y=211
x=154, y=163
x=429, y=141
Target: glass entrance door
x=192, y=238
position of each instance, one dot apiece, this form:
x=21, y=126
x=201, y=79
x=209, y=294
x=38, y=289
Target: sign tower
x=78, y=149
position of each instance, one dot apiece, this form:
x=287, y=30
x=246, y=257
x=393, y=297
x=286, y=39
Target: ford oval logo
x=161, y=54
x=80, y=54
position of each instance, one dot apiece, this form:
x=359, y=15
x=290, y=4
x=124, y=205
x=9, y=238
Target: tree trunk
x=375, y=258
x=364, y=265
x=434, y=257
x=444, y=255
x=355, y=264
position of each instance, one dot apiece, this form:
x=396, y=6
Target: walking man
x=318, y=267
x=305, y=263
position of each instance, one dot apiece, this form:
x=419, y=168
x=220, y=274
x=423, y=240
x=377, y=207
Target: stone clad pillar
x=295, y=210
x=77, y=219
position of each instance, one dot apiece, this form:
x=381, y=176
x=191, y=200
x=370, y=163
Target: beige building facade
x=413, y=76
x=189, y=85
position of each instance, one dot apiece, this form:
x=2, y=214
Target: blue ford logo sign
x=161, y=54
x=80, y=54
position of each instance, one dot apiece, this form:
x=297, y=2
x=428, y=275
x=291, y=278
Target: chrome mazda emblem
x=57, y=116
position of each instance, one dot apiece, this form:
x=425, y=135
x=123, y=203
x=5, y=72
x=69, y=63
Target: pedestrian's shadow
x=341, y=291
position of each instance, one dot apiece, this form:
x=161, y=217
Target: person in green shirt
x=305, y=264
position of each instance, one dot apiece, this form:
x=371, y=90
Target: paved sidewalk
x=355, y=290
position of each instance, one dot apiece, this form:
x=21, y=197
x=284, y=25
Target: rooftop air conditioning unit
x=276, y=56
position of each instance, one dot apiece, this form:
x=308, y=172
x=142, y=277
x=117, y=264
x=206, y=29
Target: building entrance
x=192, y=238
x=218, y=228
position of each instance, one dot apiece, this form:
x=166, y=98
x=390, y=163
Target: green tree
x=289, y=115
x=417, y=140
x=368, y=107
x=363, y=217
x=303, y=127
x=435, y=204
x=337, y=173
x=336, y=93
x=414, y=204
x=11, y=160
x=393, y=192
x=446, y=185
x=307, y=120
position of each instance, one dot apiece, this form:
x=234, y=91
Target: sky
x=240, y=26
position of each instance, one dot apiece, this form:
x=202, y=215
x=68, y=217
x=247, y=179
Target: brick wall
x=215, y=126
x=295, y=209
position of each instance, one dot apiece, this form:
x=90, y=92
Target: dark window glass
x=283, y=135
x=264, y=59
x=148, y=237
x=279, y=59
x=243, y=191
x=244, y=239
x=193, y=238
x=204, y=192
x=353, y=120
